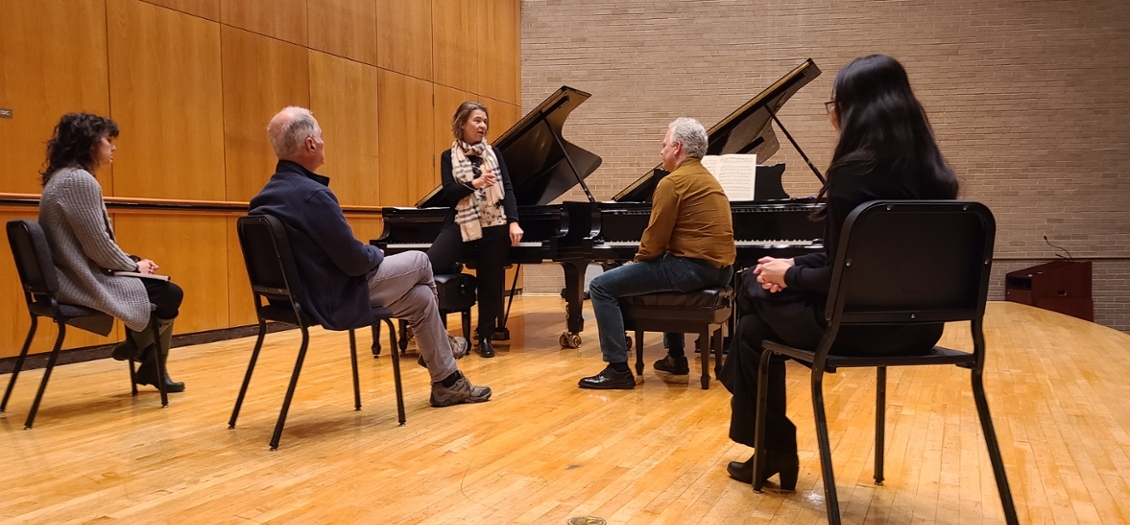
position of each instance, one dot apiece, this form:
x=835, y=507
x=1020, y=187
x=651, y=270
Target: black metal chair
x=901, y=262
x=704, y=312
x=37, y=270
x=275, y=286
x=455, y=293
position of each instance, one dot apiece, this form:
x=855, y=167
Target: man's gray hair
x=690, y=133
x=287, y=135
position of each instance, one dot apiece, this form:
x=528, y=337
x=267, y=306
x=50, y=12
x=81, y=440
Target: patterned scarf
x=483, y=207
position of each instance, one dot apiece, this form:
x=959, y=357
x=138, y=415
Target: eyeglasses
x=478, y=172
x=829, y=106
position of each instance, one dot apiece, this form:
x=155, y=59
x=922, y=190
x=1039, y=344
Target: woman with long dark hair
x=484, y=213
x=886, y=150
x=78, y=229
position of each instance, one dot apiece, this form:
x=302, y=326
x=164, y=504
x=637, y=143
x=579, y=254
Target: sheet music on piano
x=736, y=173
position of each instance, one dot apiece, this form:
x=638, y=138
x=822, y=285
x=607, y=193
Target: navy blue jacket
x=332, y=263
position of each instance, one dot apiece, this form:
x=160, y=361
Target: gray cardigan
x=74, y=219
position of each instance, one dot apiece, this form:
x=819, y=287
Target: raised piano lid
x=747, y=130
x=539, y=168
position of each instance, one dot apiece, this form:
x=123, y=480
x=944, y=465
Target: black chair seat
x=70, y=311
x=939, y=355
x=704, y=312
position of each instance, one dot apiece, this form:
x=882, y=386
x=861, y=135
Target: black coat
x=332, y=263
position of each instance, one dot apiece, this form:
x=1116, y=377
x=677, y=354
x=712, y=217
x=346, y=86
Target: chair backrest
x=270, y=263
x=905, y=262
x=33, y=258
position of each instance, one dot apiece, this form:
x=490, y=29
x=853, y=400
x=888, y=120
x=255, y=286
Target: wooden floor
x=542, y=450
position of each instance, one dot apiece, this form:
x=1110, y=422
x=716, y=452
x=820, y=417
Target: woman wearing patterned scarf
x=484, y=214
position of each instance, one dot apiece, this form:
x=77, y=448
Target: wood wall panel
x=455, y=44
x=165, y=93
x=209, y=9
x=501, y=59
x=405, y=112
x=447, y=101
x=502, y=116
x=52, y=61
x=365, y=227
x=343, y=96
x=346, y=28
x=404, y=37
x=282, y=19
x=192, y=249
x=261, y=76
x=241, y=307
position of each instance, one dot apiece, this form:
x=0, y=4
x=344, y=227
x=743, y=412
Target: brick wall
x=1030, y=101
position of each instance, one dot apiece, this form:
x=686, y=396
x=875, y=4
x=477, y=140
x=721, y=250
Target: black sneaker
x=609, y=379
x=673, y=365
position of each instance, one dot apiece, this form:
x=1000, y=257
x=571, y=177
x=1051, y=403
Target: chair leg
x=19, y=363
x=290, y=389
x=402, y=338
x=718, y=338
x=639, y=352
x=704, y=351
x=161, y=356
x=467, y=324
x=132, y=377
x=377, y=339
x=759, y=428
x=994, y=449
x=46, y=374
x=356, y=382
x=247, y=375
x=880, y=421
x=396, y=374
x=830, y=499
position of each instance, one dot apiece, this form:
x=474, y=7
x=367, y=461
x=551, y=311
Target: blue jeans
x=665, y=274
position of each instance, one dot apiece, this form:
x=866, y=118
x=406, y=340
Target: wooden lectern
x=1061, y=286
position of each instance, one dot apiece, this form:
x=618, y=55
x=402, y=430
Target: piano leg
x=574, y=302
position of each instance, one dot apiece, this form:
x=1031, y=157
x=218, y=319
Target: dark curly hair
x=73, y=141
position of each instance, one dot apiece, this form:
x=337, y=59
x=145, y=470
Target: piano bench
x=455, y=293
x=704, y=312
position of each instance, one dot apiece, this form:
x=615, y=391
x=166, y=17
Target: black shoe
x=609, y=379
x=787, y=465
x=741, y=470
x=147, y=375
x=673, y=365
x=485, y=348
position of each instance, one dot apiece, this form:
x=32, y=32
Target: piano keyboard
x=426, y=245
x=736, y=243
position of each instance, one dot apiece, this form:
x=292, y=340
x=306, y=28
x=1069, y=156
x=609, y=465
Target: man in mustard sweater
x=688, y=245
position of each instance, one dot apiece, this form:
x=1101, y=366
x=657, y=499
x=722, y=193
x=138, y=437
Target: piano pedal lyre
x=570, y=340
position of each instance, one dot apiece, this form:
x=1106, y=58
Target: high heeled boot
x=147, y=372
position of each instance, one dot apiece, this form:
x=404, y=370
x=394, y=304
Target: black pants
x=490, y=252
x=166, y=296
x=795, y=319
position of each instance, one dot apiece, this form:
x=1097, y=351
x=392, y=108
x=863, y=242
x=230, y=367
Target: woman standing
x=886, y=150
x=78, y=229
x=484, y=214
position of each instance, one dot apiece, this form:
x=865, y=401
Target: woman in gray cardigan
x=78, y=229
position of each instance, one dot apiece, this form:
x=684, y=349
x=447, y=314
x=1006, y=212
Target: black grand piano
x=542, y=167
x=774, y=224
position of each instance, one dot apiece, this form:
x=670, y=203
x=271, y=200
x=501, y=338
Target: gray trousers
x=403, y=283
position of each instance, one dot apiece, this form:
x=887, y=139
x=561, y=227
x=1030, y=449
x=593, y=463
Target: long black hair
x=73, y=141
x=883, y=126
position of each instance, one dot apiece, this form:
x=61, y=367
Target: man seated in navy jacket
x=342, y=276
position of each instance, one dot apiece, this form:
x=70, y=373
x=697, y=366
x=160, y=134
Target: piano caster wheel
x=570, y=340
